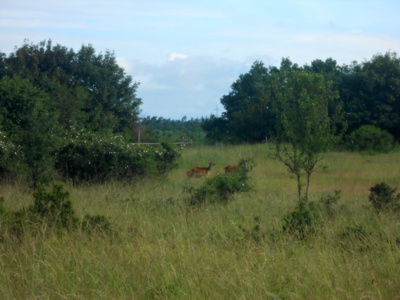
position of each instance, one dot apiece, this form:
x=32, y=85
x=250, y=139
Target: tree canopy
x=369, y=93
x=85, y=89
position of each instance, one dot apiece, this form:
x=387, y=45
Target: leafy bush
x=302, y=220
x=166, y=159
x=53, y=207
x=93, y=157
x=370, y=138
x=382, y=196
x=7, y=154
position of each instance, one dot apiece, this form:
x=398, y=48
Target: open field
x=164, y=249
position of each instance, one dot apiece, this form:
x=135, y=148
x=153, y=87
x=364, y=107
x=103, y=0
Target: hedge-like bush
x=371, y=139
x=91, y=157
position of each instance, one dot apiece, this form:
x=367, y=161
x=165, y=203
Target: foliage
x=304, y=127
x=54, y=207
x=302, y=221
x=30, y=132
x=184, y=130
x=51, y=210
x=86, y=156
x=46, y=90
x=248, y=115
x=217, y=129
x=83, y=89
x=371, y=139
x=371, y=92
x=382, y=197
x=166, y=160
x=8, y=155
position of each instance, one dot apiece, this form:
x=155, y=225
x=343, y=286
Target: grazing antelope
x=199, y=171
x=230, y=169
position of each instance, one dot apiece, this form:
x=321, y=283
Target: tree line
x=184, y=130
x=64, y=111
x=368, y=92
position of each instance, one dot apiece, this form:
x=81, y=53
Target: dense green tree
x=217, y=129
x=84, y=88
x=248, y=115
x=29, y=126
x=247, y=107
x=383, y=71
x=112, y=99
x=371, y=93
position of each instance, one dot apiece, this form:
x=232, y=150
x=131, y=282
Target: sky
x=187, y=53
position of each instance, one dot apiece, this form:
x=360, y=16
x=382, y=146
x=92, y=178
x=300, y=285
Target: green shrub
x=166, y=159
x=97, y=158
x=302, y=220
x=382, y=197
x=371, y=139
x=53, y=207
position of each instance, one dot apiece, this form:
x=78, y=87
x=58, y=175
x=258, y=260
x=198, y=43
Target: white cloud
x=173, y=56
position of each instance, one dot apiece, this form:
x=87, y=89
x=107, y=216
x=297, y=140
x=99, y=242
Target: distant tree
x=160, y=129
x=248, y=113
x=216, y=129
x=84, y=89
x=304, y=126
x=371, y=93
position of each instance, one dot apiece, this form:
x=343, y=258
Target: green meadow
x=162, y=248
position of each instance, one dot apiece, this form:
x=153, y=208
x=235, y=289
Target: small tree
x=305, y=125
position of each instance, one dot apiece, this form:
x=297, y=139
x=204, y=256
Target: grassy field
x=164, y=249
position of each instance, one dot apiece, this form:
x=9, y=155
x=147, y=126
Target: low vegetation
x=251, y=238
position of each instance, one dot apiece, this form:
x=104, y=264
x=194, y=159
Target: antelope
x=244, y=165
x=230, y=169
x=199, y=171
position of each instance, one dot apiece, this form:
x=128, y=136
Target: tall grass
x=164, y=249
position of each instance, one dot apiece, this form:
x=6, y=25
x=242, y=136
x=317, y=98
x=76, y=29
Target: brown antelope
x=199, y=171
x=244, y=165
x=230, y=169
